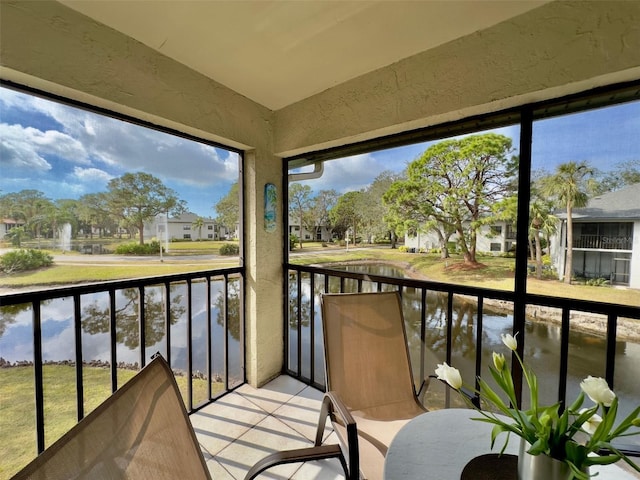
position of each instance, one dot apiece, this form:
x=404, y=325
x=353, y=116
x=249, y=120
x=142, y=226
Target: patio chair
x=370, y=389
x=141, y=432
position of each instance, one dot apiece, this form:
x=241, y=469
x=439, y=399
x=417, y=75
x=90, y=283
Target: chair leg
x=299, y=455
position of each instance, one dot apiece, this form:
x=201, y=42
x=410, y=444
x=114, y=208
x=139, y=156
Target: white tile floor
x=248, y=424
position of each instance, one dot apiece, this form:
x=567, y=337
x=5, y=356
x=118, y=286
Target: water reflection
x=58, y=337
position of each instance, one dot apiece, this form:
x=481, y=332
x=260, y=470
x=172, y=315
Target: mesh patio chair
x=370, y=389
x=141, y=432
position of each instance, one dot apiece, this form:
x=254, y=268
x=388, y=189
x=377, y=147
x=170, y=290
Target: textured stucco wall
x=48, y=46
x=556, y=49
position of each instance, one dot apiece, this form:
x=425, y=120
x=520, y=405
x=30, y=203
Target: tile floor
x=238, y=430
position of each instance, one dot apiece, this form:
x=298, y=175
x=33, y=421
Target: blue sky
x=66, y=152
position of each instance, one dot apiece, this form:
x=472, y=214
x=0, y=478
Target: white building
x=499, y=237
x=184, y=227
x=606, y=238
x=320, y=233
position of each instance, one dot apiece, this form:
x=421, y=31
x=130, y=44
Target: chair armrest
x=333, y=406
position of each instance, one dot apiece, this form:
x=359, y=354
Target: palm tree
x=542, y=221
x=569, y=187
x=198, y=223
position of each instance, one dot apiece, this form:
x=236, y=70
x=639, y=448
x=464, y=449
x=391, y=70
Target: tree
x=198, y=223
x=375, y=211
x=568, y=187
x=624, y=174
x=93, y=211
x=228, y=208
x=453, y=184
x=321, y=204
x=411, y=214
x=300, y=207
x=347, y=214
x=16, y=235
x=30, y=206
x=136, y=198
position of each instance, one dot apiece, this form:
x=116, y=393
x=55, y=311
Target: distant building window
x=210, y=235
x=186, y=227
x=496, y=229
x=186, y=236
x=209, y=227
x=495, y=247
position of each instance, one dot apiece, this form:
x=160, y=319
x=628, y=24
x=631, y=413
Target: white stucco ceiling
x=278, y=52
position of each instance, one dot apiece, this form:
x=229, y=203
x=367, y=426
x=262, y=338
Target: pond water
x=587, y=352
x=58, y=338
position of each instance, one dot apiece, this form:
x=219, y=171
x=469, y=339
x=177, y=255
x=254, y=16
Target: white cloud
x=26, y=147
x=16, y=151
x=349, y=174
x=91, y=175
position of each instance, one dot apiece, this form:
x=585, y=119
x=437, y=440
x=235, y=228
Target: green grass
x=496, y=273
x=17, y=406
x=198, y=247
x=70, y=274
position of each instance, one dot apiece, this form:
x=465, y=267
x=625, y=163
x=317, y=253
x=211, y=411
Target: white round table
x=438, y=444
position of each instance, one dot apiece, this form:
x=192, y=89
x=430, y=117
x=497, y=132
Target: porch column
x=263, y=262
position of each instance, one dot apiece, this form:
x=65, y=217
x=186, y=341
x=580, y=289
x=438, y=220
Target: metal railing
x=604, y=242
x=137, y=318
x=303, y=345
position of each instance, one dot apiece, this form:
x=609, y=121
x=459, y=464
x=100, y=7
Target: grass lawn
x=17, y=406
x=496, y=273
x=69, y=274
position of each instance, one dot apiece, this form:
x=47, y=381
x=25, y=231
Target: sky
x=66, y=152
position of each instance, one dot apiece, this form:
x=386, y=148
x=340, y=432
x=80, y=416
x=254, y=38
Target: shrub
x=151, y=248
x=597, y=282
x=229, y=249
x=293, y=241
x=21, y=260
x=403, y=248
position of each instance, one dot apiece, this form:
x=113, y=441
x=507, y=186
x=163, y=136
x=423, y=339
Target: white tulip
x=592, y=422
x=510, y=341
x=450, y=375
x=598, y=390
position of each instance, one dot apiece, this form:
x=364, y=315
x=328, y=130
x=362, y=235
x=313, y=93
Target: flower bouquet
x=573, y=436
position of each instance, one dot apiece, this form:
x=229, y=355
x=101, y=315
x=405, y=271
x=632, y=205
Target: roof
x=189, y=218
x=623, y=204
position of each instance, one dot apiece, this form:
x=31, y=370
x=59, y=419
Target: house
x=606, y=238
x=496, y=238
x=7, y=224
x=320, y=233
x=183, y=227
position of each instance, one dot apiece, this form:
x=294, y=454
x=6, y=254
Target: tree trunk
x=568, y=267
x=538, y=256
x=532, y=254
x=444, y=248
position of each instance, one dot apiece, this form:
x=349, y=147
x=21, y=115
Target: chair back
x=366, y=355
x=141, y=432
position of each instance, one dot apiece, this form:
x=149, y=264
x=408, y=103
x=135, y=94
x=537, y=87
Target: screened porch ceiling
x=279, y=52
